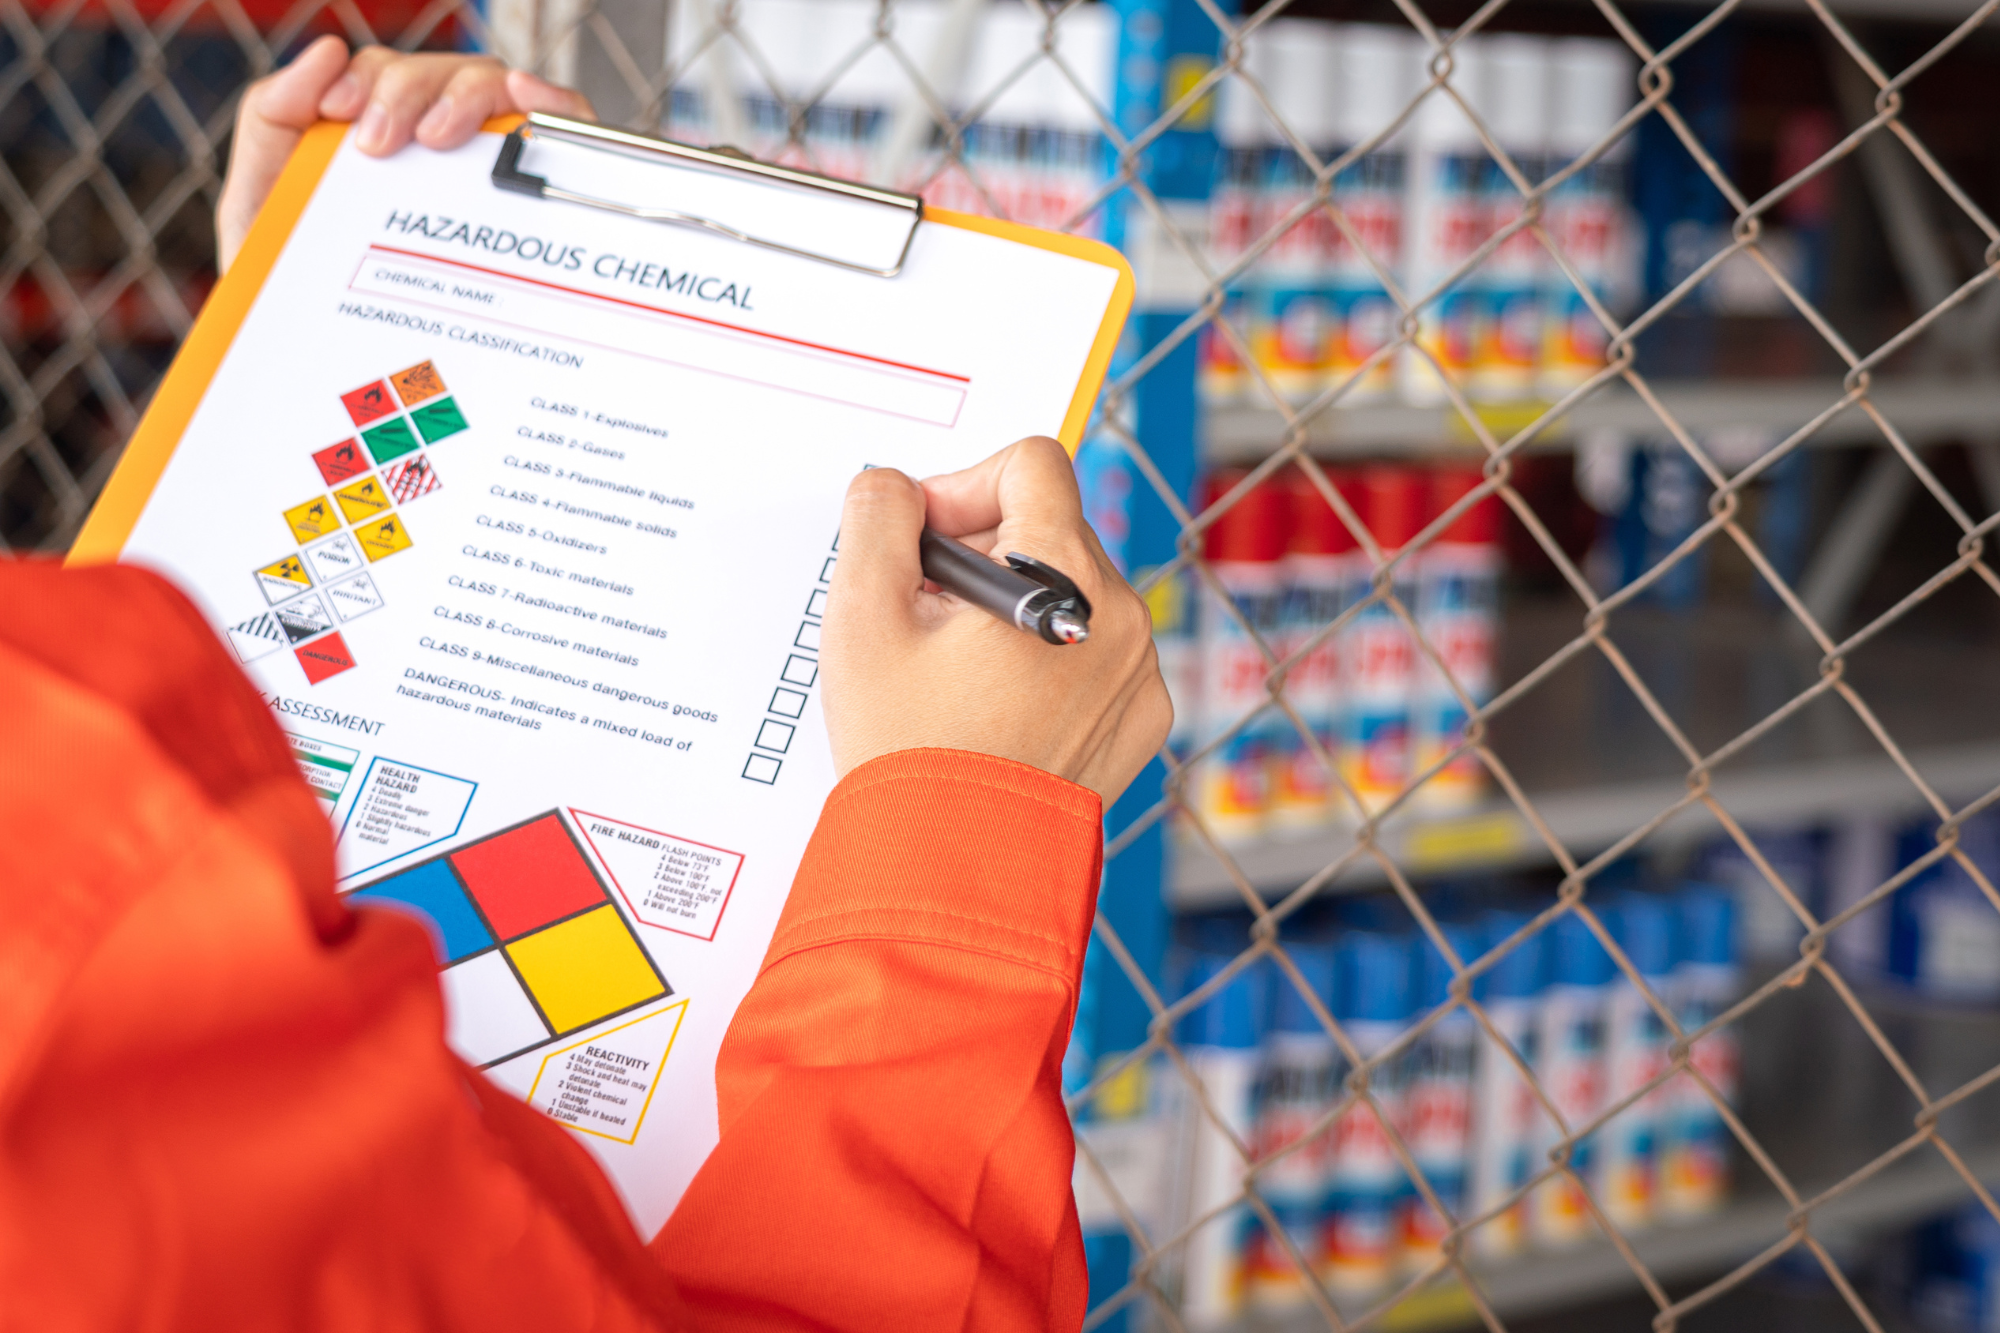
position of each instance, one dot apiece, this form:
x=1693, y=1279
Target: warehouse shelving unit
x=1587, y=819
x=1827, y=1140
x=1924, y=410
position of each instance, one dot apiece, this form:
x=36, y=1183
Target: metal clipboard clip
x=855, y=227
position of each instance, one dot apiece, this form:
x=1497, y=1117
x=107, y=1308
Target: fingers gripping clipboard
x=512, y=475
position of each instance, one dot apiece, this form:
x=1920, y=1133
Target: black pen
x=1024, y=592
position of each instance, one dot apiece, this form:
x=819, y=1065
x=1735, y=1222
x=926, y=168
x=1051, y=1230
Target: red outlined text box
x=667, y=881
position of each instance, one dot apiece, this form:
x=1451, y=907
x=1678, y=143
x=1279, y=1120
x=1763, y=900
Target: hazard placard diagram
x=385, y=433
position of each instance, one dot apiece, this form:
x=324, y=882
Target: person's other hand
x=438, y=99
x=908, y=668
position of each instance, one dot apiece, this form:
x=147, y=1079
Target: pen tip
x=1068, y=626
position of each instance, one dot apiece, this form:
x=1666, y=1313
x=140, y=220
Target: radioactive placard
x=314, y=518
x=382, y=538
x=283, y=578
x=363, y=500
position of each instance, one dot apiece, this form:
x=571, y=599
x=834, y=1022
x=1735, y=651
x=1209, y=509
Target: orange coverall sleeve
x=225, y=1098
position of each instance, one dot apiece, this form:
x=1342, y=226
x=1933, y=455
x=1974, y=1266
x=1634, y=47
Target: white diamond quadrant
x=487, y=1014
x=668, y=882
x=604, y=1084
x=354, y=597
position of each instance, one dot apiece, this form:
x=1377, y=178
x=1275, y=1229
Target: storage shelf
x=1824, y=1104
x=1589, y=819
x=1916, y=1188
x=1925, y=410
x=1596, y=767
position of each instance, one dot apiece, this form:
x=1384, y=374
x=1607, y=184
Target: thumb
x=270, y=119
x=879, y=575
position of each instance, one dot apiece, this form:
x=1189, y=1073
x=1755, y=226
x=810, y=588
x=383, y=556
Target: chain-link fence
x=115, y=117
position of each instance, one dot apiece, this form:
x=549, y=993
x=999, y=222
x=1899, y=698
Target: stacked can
x=1448, y=222
x=1515, y=104
x=1636, y=1040
x=1299, y=1086
x=1320, y=567
x=1694, y=1151
x=1237, y=217
x=1458, y=612
x=1377, y=78
x=1369, y=1184
x=1506, y=1114
x=1245, y=549
x=1570, y=1068
x=1379, y=657
x=1220, y=1043
x=1586, y=216
x=1292, y=320
x=1437, y=1107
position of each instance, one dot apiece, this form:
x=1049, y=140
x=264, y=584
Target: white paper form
x=522, y=516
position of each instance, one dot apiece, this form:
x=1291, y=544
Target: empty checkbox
x=826, y=573
x=762, y=768
x=816, y=604
x=807, y=637
x=799, y=670
x=775, y=736
x=787, y=703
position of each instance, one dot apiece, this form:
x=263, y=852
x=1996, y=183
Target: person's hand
x=438, y=99
x=908, y=668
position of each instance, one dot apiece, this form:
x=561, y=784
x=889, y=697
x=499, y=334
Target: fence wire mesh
x=116, y=119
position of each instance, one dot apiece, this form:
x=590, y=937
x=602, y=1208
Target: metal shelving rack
x=1925, y=409
x=1587, y=819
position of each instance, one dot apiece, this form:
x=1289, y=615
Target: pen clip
x=1057, y=582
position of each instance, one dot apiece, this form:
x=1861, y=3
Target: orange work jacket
x=226, y=1101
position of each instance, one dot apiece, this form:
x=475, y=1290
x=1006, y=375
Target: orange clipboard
x=112, y=519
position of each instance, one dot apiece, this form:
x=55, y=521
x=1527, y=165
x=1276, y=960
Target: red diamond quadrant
x=528, y=876
x=369, y=402
x=338, y=462
x=670, y=882
x=324, y=658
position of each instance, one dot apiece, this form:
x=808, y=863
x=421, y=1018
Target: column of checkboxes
x=795, y=682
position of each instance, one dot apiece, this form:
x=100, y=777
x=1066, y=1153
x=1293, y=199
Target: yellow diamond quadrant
x=586, y=968
x=383, y=537
x=362, y=500
x=314, y=518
